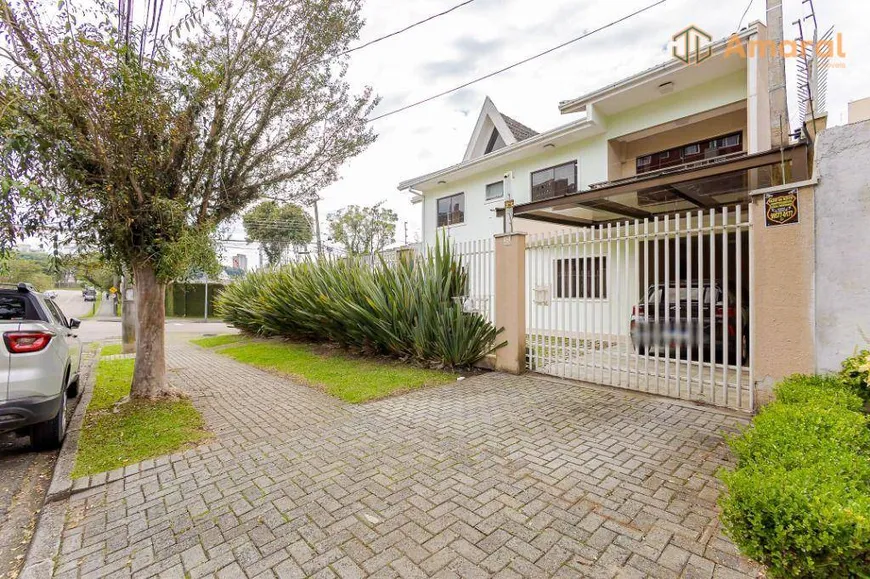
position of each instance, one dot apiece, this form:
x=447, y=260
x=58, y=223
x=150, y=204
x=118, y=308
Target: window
x=688, y=153
x=56, y=313
x=495, y=190
x=554, y=181
x=451, y=210
x=581, y=278
x=12, y=307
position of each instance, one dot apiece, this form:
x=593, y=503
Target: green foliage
x=799, y=499
x=92, y=268
x=277, y=226
x=140, y=144
x=363, y=230
x=349, y=378
x=405, y=310
x=17, y=269
x=137, y=430
x=825, y=391
x=856, y=372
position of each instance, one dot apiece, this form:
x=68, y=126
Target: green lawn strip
x=111, y=350
x=215, y=341
x=138, y=430
x=351, y=379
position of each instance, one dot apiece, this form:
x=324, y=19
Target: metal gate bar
x=660, y=305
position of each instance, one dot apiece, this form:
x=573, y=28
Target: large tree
x=363, y=230
x=139, y=139
x=277, y=226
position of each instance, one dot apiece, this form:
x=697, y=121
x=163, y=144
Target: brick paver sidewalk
x=493, y=476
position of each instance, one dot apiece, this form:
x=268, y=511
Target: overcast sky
x=489, y=34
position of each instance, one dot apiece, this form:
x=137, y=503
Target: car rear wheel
x=49, y=435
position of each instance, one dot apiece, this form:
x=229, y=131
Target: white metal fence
x=660, y=305
x=478, y=260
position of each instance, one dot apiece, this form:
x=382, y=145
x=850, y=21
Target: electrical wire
x=406, y=28
x=745, y=12
x=519, y=63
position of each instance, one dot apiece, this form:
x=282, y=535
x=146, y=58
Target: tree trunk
x=149, y=376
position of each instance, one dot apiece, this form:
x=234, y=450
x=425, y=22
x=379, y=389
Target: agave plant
x=405, y=309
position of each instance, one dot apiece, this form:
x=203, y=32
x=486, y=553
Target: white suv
x=40, y=356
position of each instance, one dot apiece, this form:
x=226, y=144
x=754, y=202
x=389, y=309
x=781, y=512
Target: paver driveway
x=495, y=475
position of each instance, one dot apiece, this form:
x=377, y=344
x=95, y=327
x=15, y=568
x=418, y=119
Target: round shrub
x=791, y=435
x=800, y=522
x=821, y=390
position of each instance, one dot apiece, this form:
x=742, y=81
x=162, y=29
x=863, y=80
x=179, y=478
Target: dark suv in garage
x=678, y=317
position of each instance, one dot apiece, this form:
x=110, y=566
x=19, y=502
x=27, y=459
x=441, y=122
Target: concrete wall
x=842, y=221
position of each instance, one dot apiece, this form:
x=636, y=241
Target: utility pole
x=317, y=228
x=406, y=233
x=128, y=316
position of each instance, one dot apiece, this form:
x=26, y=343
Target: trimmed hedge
x=798, y=500
x=406, y=309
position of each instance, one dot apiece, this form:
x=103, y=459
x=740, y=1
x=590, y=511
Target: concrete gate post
x=510, y=301
x=782, y=259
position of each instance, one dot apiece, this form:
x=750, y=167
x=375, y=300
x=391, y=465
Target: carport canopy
x=704, y=185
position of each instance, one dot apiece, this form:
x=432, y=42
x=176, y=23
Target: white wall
x=842, y=215
x=592, y=156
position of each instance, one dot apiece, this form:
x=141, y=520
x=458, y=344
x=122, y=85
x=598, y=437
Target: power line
x=406, y=28
x=745, y=12
x=521, y=62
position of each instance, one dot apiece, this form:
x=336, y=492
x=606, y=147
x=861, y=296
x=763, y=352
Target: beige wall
x=622, y=155
x=783, y=303
x=510, y=301
x=859, y=110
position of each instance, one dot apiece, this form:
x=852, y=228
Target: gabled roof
x=520, y=131
x=494, y=131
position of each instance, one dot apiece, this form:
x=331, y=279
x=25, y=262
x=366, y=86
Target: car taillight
x=25, y=342
x=637, y=310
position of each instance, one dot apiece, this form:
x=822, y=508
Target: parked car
x=90, y=294
x=655, y=326
x=39, y=365
x=51, y=294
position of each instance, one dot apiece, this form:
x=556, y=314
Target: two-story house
x=671, y=117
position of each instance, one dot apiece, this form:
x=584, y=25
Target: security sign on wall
x=781, y=208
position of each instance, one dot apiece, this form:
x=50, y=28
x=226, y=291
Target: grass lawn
x=350, y=378
x=138, y=430
x=215, y=341
x=111, y=350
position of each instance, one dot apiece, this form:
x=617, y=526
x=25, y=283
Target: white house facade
x=713, y=108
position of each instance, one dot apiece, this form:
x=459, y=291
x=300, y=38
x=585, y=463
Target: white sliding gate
x=660, y=305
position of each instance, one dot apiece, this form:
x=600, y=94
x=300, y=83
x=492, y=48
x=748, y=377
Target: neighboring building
x=669, y=117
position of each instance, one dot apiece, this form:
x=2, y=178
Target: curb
x=45, y=543
x=61, y=481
